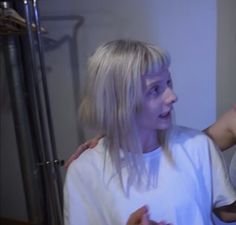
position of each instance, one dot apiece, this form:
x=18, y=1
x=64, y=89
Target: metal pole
x=56, y=161
x=30, y=172
x=47, y=167
x=34, y=135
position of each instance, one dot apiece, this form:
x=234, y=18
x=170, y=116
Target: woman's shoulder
x=191, y=142
x=189, y=139
x=91, y=158
x=182, y=133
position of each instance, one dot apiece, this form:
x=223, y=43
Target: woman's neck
x=149, y=141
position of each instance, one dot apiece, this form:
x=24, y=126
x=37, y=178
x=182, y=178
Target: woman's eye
x=155, y=90
x=170, y=84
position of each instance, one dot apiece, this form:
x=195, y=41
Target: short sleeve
x=223, y=191
x=233, y=170
x=82, y=196
x=74, y=198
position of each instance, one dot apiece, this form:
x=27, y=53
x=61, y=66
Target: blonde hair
x=113, y=97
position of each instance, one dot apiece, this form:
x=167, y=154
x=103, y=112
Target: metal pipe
x=32, y=80
x=37, y=115
x=37, y=133
x=46, y=97
x=30, y=173
x=55, y=212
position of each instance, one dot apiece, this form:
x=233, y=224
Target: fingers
x=160, y=223
x=145, y=219
x=77, y=153
x=88, y=144
x=69, y=161
x=139, y=217
x=93, y=142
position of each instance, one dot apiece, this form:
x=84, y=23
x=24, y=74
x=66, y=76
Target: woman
x=142, y=158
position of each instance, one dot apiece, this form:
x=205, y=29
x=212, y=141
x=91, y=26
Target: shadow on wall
x=53, y=44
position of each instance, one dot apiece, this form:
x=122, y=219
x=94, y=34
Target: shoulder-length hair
x=113, y=97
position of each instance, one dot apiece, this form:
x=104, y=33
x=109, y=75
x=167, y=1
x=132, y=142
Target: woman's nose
x=170, y=96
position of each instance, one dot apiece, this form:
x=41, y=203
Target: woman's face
x=157, y=102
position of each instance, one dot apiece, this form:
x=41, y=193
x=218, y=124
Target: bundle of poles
x=21, y=38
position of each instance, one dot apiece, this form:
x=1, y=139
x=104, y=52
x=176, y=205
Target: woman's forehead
x=155, y=77
x=158, y=75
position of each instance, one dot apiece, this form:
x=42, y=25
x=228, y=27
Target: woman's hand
x=91, y=143
x=141, y=217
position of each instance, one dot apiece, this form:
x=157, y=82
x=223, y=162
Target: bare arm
x=223, y=131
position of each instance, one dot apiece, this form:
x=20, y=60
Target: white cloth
x=232, y=170
x=186, y=192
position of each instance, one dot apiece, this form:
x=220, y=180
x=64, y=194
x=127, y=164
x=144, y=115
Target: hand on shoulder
x=91, y=143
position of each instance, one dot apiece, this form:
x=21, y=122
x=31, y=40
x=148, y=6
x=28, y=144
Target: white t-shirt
x=185, y=192
x=232, y=170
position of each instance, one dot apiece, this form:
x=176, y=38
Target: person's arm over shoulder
x=223, y=193
x=223, y=131
x=227, y=213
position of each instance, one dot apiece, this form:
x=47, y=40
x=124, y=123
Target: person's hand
x=91, y=143
x=141, y=217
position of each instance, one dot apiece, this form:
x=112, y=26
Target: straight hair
x=112, y=99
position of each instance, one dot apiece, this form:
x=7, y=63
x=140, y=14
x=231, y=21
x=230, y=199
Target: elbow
x=226, y=213
x=227, y=217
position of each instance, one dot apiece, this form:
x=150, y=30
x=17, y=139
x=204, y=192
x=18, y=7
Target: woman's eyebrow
x=152, y=84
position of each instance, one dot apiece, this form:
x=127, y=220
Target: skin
x=141, y=217
x=157, y=104
x=223, y=131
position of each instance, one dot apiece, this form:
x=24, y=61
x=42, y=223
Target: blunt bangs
x=154, y=60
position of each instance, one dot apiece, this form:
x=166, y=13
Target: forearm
x=223, y=131
x=227, y=213
x=223, y=138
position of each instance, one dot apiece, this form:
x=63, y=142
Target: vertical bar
x=37, y=115
x=46, y=96
x=55, y=212
x=30, y=173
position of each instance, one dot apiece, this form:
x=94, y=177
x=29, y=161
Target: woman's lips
x=165, y=115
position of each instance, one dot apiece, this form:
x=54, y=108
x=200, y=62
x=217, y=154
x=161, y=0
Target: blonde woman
x=142, y=159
